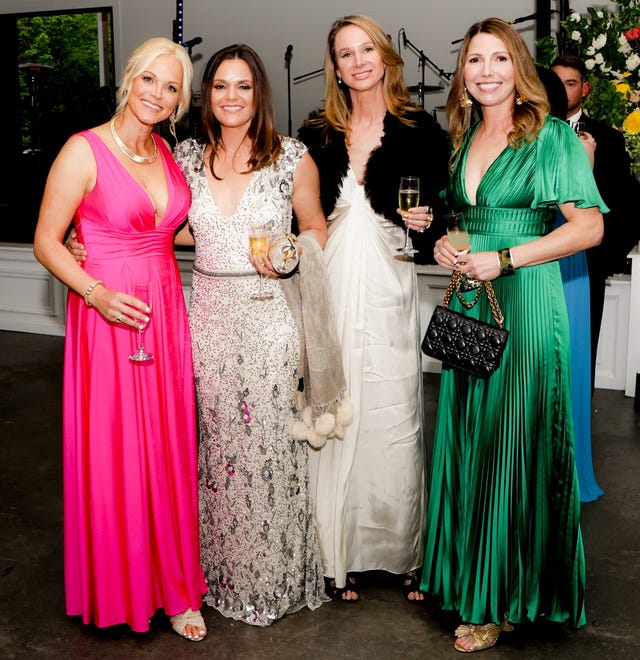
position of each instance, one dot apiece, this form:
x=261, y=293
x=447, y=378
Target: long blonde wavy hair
x=336, y=110
x=528, y=117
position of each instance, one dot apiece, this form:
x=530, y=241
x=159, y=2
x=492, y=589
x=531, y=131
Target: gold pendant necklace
x=143, y=160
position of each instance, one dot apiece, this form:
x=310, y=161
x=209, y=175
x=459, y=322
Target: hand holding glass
x=259, y=247
x=459, y=238
x=142, y=291
x=580, y=128
x=457, y=232
x=408, y=198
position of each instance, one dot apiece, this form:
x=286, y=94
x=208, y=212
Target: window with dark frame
x=59, y=65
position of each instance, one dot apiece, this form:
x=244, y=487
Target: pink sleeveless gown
x=130, y=471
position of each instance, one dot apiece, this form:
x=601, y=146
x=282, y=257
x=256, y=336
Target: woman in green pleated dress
x=503, y=540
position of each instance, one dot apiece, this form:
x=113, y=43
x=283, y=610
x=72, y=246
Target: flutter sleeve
x=563, y=172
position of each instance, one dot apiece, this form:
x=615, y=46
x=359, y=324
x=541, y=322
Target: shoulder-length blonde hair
x=336, y=110
x=530, y=107
x=141, y=59
x=266, y=144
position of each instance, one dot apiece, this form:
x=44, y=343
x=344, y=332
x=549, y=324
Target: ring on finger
x=119, y=318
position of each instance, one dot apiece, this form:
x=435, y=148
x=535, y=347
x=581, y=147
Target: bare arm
x=583, y=229
x=306, y=199
x=184, y=236
x=72, y=176
x=306, y=205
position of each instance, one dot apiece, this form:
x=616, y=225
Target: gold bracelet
x=505, y=262
x=89, y=290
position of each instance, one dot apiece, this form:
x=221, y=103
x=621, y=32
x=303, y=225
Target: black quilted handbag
x=463, y=342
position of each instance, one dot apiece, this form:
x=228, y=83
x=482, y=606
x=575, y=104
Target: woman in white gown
x=369, y=488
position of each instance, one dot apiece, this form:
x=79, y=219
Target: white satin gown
x=369, y=488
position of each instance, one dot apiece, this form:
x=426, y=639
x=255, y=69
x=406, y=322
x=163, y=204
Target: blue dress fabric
x=575, y=281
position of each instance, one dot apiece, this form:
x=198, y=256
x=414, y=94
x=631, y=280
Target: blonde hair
x=141, y=59
x=528, y=116
x=336, y=110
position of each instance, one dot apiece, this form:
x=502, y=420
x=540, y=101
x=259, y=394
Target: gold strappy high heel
x=484, y=637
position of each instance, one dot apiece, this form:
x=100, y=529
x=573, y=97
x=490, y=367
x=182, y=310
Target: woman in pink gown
x=130, y=479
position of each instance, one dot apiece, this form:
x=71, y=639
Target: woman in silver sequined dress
x=258, y=542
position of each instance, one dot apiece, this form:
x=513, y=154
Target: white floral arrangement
x=609, y=43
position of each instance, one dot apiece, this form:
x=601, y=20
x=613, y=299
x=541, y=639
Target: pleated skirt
x=503, y=531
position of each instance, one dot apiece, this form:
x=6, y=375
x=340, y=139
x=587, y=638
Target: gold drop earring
x=465, y=99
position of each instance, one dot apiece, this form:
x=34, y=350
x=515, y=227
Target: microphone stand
x=287, y=64
x=307, y=76
x=422, y=61
x=521, y=19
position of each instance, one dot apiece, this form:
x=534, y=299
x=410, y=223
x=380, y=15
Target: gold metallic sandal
x=484, y=637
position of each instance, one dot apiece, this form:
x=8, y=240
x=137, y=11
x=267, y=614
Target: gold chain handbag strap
x=493, y=303
x=454, y=286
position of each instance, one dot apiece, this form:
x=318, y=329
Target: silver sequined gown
x=258, y=543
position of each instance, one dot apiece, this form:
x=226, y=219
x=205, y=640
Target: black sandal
x=412, y=587
x=337, y=593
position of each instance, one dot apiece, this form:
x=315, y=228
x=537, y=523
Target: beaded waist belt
x=226, y=273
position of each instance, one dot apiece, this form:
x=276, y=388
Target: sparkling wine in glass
x=408, y=198
x=142, y=291
x=459, y=236
x=457, y=232
x=259, y=246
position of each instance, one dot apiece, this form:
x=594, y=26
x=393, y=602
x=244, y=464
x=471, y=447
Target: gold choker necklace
x=143, y=160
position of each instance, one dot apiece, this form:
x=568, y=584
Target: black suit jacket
x=621, y=192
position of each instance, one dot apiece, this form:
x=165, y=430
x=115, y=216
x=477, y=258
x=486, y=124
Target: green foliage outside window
x=67, y=97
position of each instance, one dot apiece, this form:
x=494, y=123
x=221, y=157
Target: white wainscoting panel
x=611, y=359
x=633, y=341
x=32, y=300
x=620, y=304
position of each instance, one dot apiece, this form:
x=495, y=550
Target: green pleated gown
x=503, y=523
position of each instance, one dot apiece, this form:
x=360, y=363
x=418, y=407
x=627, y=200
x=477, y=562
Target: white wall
x=270, y=25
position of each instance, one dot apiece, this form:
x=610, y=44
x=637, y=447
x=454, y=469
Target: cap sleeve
x=563, y=171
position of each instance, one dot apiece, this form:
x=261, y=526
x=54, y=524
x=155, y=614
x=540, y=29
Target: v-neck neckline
x=160, y=220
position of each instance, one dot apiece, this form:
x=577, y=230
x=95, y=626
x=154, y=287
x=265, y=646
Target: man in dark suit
x=618, y=187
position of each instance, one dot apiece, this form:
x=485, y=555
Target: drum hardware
x=421, y=89
x=426, y=89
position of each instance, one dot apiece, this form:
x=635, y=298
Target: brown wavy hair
x=528, y=117
x=336, y=109
x=266, y=144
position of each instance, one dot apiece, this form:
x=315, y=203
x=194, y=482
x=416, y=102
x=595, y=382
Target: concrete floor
x=382, y=625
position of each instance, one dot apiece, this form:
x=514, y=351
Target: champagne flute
x=408, y=198
x=259, y=246
x=142, y=291
x=459, y=236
